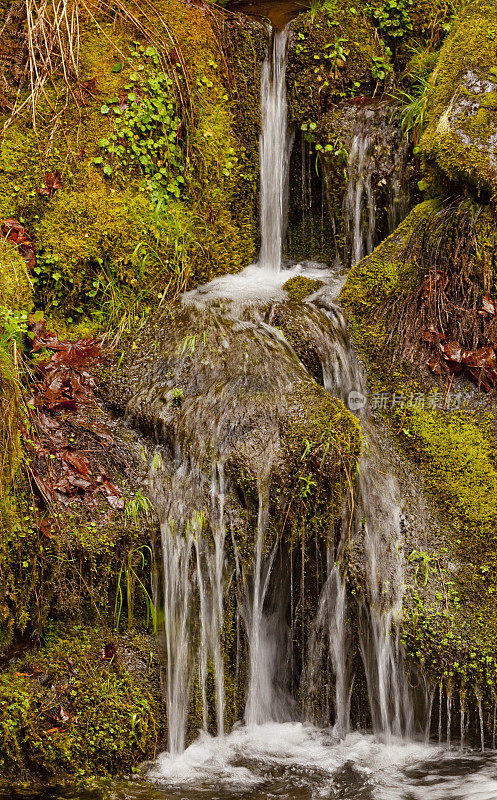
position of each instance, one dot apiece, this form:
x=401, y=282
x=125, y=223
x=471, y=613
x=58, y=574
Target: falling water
x=260, y=706
x=275, y=145
x=378, y=179
x=359, y=203
x=176, y=550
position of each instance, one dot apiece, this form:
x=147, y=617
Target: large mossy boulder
x=210, y=387
x=461, y=134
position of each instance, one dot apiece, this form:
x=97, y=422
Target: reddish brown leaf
x=432, y=335
x=451, y=351
x=43, y=487
x=434, y=365
x=46, y=528
x=108, y=651
x=53, y=181
x=14, y=231
x=481, y=358
x=110, y=491
x=78, y=461
x=488, y=306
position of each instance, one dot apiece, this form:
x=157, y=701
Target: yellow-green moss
x=451, y=622
x=458, y=139
x=299, y=287
x=317, y=80
x=111, y=716
x=15, y=284
x=95, y=229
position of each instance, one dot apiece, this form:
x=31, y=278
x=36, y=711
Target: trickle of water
x=176, y=551
x=378, y=182
x=482, y=729
x=430, y=696
x=330, y=631
x=449, y=719
x=275, y=147
x=359, y=207
x=260, y=706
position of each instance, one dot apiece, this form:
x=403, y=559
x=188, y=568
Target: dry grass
x=51, y=48
x=451, y=251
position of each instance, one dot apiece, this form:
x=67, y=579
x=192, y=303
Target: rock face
x=461, y=136
x=215, y=387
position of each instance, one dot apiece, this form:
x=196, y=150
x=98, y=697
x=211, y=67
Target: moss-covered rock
x=450, y=610
x=460, y=137
x=82, y=704
x=299, y=287
x=331, y=57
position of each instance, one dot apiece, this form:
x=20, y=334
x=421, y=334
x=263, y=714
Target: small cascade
x=275, y=147
x=378, y=191
x=176, y=553
x=260, y=706
x=223, y=545
x=359, y=208
x=330, y=636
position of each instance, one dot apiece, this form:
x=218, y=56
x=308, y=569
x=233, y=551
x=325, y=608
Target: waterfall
x=378, y=180
x=275, y=146
x=359, y=203
x=219, y=545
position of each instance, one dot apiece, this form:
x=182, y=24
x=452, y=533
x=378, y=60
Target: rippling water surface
x=298, y=762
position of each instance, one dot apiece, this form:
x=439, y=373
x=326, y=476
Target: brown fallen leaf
x=488, y=306
x=53, y=182
x=434, y=364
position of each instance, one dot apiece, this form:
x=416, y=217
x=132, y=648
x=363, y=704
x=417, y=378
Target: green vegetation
x=299, y=287
x=80, y=705
x=450, y=623
x=460, y=118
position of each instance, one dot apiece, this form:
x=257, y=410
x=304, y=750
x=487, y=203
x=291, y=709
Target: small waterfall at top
x=378, y=190
x=275, y=147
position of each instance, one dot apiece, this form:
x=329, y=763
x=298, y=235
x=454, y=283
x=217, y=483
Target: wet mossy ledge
x=85, y=703
x=450, y=605
x=461, y=111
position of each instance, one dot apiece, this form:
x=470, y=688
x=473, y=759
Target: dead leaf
x=488, y=306
x=53, y=182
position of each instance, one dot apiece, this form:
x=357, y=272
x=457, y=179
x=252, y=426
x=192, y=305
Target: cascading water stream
x=195, y=543
x=275, y=146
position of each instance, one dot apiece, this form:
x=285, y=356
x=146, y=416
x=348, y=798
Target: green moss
x=104, y=717
x=385, y=272
x=15, y=300
x=450, y=622
x=317, y=72
x=299, y=287
x=458, y=137
x=106, y=245
x=322, y=447
x=15, y=285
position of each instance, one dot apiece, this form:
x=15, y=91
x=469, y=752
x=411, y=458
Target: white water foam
x=318, y=764
x=254, y=283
